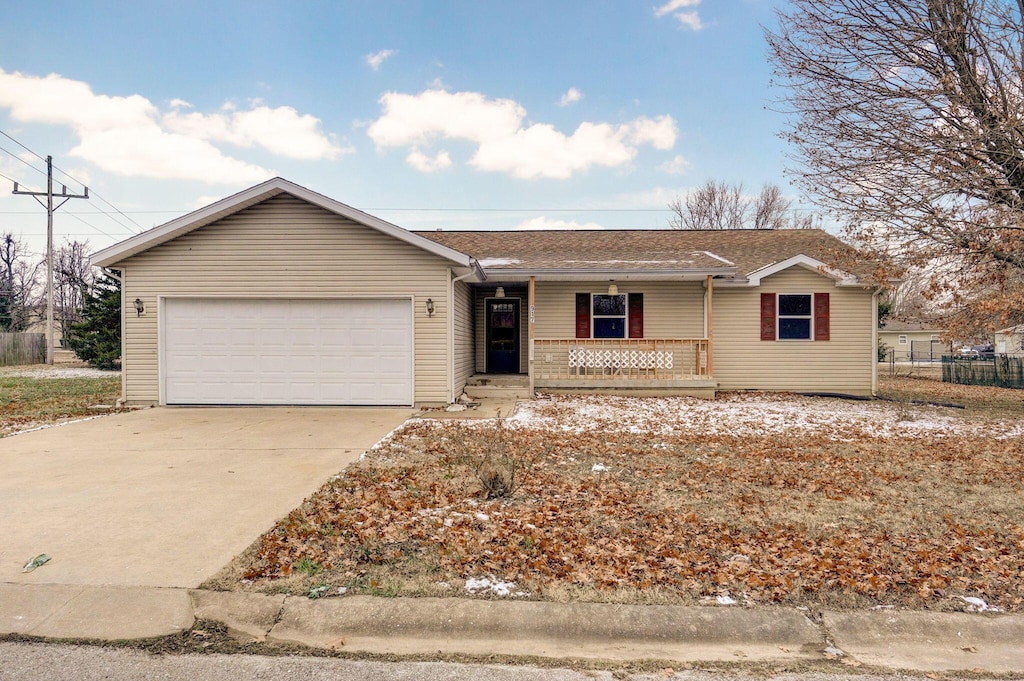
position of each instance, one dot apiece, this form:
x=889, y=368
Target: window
x=794, y=317
x=599, y=315
x=902, y=340
x=609, y=315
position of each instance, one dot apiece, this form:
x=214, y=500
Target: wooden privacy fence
x=1001, y=371
x=22, y=348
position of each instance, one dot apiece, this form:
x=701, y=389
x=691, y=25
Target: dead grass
x=978, y=400
x=26, y=402
x=827, y=516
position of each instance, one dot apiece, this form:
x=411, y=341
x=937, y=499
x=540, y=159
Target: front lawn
x=754, y=499
x=30, y=401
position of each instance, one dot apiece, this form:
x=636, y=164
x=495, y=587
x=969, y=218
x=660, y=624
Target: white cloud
x=131, y=136
x=544, y=222
x=503, y=144
x=375, y=59
x=675, y=166
x=427, y=164
x=572, y=95
x=687, y=19
x=282, y=131
x=673, y=5
x=690, y=20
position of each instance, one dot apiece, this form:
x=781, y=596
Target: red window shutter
x=767, y=316
x=636, y=315
x=821, y=321
x=583, y=315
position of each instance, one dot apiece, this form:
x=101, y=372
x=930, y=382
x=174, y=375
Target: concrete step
x=499, y=391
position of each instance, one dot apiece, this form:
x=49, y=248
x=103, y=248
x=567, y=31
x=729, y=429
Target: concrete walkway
x=915, y=641
x=168, y=496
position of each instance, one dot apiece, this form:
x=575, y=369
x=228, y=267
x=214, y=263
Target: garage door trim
x=162, y=325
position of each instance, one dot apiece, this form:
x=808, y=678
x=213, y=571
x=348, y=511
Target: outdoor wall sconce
x=613, y=290
x=430, y=307
x=139, y=307
x=499, y=292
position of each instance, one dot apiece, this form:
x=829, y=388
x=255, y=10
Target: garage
x=262, y=351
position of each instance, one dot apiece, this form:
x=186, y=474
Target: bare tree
x=907, y=118
x=19, y=283
x=720, y=205
x=72, y=278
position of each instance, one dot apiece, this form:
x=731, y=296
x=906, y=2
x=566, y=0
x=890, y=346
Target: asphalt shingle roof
x=646, y=249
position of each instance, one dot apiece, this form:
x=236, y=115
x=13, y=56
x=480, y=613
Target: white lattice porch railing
x=620, y=359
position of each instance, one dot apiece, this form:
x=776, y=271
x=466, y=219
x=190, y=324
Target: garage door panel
x=252, y=351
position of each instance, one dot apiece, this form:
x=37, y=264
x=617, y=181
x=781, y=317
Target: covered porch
x=651, y=337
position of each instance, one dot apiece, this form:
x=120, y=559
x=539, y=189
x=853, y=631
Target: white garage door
x=241, y=351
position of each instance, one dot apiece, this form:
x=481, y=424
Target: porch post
x=711, y=327
x=530, y=300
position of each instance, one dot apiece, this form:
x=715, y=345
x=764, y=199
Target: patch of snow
x=833, y=652
x=975, y=604
x=754, y=414
x=482, y=517
x=57, y=371
x=725, y=600
x=493, y=586
x=599, y=468
x=343, y=589
x=497, y=262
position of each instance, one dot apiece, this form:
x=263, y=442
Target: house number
x=533, y=314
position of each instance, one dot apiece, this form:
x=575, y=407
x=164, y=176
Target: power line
x=116, y=209
x=19, y=158
x=72, y=178
x=22, y=146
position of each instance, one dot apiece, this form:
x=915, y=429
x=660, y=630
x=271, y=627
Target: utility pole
x=50, y=208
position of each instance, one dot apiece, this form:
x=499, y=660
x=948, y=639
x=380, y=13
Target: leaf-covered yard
x=757, y=498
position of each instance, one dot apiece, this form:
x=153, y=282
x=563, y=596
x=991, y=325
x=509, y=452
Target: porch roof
x=651, y=252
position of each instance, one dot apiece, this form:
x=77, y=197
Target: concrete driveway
x=166, y=496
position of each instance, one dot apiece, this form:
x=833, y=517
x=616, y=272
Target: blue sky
x=428, y=114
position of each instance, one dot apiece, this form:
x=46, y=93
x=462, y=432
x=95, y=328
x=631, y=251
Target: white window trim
x=901, y=339
x=778, y=318
x=623, y=317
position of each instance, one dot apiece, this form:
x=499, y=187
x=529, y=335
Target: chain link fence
x=1001, y=371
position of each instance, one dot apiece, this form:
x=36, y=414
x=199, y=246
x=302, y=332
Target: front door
x=502, y=336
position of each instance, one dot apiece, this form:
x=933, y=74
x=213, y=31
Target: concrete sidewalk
x=915, y=641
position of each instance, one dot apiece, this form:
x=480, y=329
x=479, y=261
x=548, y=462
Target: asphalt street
x=55, y=662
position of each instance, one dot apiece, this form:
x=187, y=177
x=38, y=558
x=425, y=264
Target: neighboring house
x=913, y=340
x=279, y=295
x=1010, y=341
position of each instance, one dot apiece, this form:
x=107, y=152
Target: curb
x=899, y=640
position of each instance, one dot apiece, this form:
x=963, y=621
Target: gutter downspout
x=451, y=325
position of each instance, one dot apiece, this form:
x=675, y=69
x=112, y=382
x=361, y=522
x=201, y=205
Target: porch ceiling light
x=139, y=307
x=613, y=290
x=499, y=292
x=430, y=307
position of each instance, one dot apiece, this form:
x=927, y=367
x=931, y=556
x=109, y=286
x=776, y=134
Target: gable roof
x=748, y=255
x=252, y=196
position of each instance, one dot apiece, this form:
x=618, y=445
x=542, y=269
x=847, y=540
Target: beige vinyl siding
x=672, y=309
x=481, y=294
x=463, y=318
x=286, y=248
x=743, y=361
